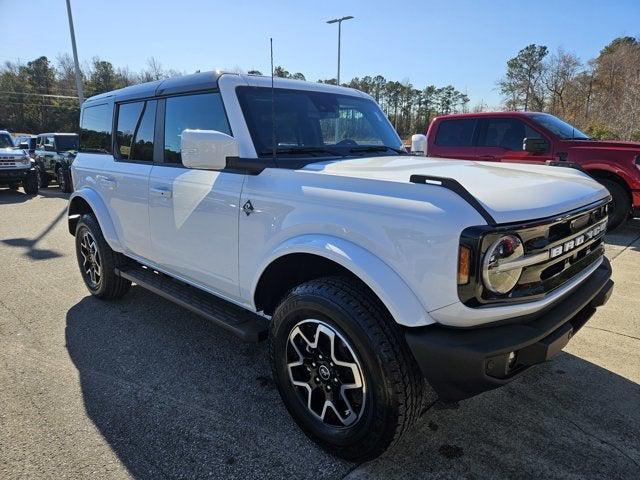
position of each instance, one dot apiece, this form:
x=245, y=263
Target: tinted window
x=5, y=141
x=142, y=148
x=507, y=133
x=66, y=143
x=314, y=123
x=456, y=133
x=95, y=129
x=203, y=112
x=128, y=115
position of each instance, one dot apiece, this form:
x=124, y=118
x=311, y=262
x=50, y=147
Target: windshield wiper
x=377, y=148
x=301, y=150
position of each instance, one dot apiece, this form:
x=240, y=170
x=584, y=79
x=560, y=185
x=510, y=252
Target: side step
x=247, y=325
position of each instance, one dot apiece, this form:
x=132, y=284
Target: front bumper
x=461, y=363
x=14, y=175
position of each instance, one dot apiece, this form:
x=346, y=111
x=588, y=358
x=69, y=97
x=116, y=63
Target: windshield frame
x=390, y=142
x=572, y=133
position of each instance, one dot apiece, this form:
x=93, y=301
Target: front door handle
x=160, y=192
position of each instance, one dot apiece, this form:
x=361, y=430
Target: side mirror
x=207, y=149
x=535, y=145
x=419, y=145
x=23, y=145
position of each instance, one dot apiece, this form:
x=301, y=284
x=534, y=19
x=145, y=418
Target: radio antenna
x=273, y=109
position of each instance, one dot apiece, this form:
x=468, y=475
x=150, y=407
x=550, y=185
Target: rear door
x=501, y=138
x=454, y=138
x=124, y=181
x=194, y=213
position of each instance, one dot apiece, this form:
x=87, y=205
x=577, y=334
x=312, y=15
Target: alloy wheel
x=326, y=373
x=91, y=262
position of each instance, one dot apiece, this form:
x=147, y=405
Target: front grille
x=572, y=245
x=9, y=162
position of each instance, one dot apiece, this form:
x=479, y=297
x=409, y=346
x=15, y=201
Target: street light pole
x=75, y=55
x=339, y=22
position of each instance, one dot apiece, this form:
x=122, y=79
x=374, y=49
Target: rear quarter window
x=456, y=133
x=95, y=129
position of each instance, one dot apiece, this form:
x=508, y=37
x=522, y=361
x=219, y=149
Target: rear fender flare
x=101, y=213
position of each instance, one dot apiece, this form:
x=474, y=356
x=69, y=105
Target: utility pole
x=75, y=55
x=339, y=22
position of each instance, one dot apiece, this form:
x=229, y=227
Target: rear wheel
x=343, y=368
x=44, y=178
x=13, y=186
x=620, y=205
x=64, y=180
x=98, y=262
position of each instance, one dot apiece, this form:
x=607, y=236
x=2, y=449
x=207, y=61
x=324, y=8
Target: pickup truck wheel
x=13, y=186
x=44, y=178
x=64, y=180
x=31, y=182
x=97, y=261
x=621, y=204
x=343, y=368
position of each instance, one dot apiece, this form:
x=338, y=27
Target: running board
x=247, y=325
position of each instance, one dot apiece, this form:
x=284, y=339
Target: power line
x=39, y=94
x=40, y=105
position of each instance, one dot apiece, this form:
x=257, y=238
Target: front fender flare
x=396, y=295
x=102, y=215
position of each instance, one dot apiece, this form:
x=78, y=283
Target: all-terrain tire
x=620, y=207
x=110, y=285
x=32, y=182
x=394, y=384
x=64, y=180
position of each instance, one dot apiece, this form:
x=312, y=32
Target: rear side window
x=203, y=112
x=95, y=129
x=456, y=133
x=135, y=130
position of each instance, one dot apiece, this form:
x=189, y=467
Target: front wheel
x=32, y=182
x=98, y=262
x=620, y=205
x=343, y=368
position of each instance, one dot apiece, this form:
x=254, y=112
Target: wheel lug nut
x=329, y=387
x=317, y=380
x=320, y=357
x=313, y=364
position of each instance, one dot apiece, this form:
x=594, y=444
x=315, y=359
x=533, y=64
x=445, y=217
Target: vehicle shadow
x=175, y=396
x=29, y=245
x=627, y=235
x=7, y=196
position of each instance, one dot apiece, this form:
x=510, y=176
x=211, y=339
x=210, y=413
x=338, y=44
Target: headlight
x=499, y=274
x=25, y=161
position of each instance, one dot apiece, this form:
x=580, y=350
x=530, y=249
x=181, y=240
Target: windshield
x=67, y=142
x=309, y=123
x=560, y=128
x=5, y=141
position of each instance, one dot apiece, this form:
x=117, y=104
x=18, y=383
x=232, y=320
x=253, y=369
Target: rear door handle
x=160, y=192
x=487, y=157
x=107, y=182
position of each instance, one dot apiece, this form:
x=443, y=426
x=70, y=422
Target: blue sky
x=465, y=43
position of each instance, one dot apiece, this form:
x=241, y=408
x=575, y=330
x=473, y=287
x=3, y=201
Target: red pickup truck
x=525, y=137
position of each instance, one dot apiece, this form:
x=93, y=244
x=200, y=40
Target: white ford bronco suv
x=289, y=211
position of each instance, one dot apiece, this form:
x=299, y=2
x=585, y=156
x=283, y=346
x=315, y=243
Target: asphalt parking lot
x=141, y=388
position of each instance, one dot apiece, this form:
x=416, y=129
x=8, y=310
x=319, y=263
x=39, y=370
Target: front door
x=501, y=140
x=194, y=213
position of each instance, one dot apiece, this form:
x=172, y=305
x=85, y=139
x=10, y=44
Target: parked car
x=293, y=213
x=16, y=167
x=27, y=143
x=55, y=153
x=500, y=137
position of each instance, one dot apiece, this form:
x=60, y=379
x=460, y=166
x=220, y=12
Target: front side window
x=507, y=133
x=456, y=133
x=135, y=131
x=311, y=123
x=203, y=111
x=95, y=129
x=558, y=127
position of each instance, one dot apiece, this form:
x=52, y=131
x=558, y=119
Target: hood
x=605, y=145
x=11, y=153
x=509, y=192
